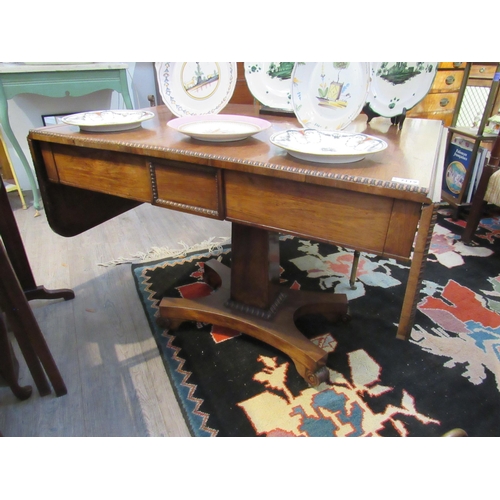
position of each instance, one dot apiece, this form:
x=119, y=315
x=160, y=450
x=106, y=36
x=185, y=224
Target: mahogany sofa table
x=381, y=204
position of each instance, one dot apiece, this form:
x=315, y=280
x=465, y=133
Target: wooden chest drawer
x=483, y=71
x=447, y=81
x=452, y=65
x=439, y=102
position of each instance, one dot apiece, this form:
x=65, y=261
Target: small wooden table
x=370, y=206
x=55, y=80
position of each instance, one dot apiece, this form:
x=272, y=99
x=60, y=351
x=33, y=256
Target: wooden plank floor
x=101, y=341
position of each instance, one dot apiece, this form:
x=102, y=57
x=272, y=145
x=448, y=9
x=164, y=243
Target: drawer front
x=447, y=81
x=452, y=65
x=440, y=102
x=109, y=172
x=483, y=71
x=187, y=187
x=352, y=219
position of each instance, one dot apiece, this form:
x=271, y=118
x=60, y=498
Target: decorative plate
x=327, y=147
x=108, y=120
x=329, y=95
x=219, y=128
x=396, y=86
x=270, y=83
x=196, y=88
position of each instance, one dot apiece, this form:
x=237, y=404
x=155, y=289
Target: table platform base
x=280, y=331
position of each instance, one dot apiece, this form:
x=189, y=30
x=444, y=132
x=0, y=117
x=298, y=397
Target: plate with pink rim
x=219, y=127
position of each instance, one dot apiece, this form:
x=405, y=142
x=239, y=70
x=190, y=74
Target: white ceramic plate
x=327, y=147
x=191, y=88
x=108, y=120
x=396, y=86
x=270, y=83
x=219, y=128
x=329, y=95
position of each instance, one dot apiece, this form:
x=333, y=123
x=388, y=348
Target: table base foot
x=279, y=332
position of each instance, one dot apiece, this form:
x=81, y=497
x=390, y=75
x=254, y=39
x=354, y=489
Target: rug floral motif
x=447, y=375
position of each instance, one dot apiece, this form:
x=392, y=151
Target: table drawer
x=353, y=219
x=107, y=172
x=187, y=187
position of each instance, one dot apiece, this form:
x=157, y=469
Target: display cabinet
x=441, y=101
x=478, y=101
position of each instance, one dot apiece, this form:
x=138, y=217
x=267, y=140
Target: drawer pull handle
x=457, y=65
x=482, y=69
x=444, y=102
x=450, y=80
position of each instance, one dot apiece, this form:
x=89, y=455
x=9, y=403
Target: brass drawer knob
x=457, y=64
x=444, y=102
x=450, y=80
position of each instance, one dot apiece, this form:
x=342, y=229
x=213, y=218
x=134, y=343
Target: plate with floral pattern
x=270, y=83
x=196, y=88
x=329, y=95
x=399, y=86
x=108, y=120
x=327, y=146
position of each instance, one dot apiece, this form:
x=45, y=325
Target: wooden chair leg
x=9, y=368
x=478, y=202
x=26, y=330
x=478, y=205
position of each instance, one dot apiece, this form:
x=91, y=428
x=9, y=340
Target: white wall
x=26, y=110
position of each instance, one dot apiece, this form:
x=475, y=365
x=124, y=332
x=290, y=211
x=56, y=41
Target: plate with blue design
x=196, y=88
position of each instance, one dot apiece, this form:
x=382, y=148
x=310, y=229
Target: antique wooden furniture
x=441, y=101
x=377, y=205
x=487, y=76
x=55, y=80
x=480, y=199
x=17, y=286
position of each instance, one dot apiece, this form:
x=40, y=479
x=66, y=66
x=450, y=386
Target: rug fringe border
x=157, y=253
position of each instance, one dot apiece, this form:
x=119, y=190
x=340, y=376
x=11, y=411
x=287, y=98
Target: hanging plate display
x=398, y=86
x=329, y=95
x=327, y=147
x=196, y=88
x=270, y=83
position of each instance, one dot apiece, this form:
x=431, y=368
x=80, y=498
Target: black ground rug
x=446, y=376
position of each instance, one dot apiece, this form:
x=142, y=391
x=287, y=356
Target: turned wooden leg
x=421, y=250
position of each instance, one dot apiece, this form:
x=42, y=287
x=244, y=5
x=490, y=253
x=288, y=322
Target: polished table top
x=411, y=153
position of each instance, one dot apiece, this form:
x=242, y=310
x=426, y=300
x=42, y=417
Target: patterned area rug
x=446, y=376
